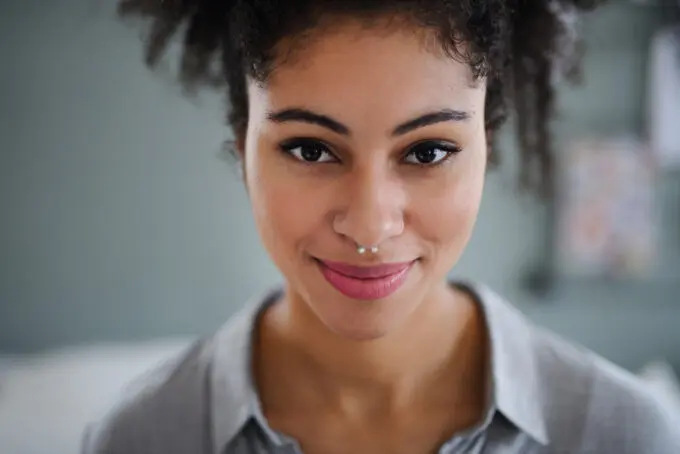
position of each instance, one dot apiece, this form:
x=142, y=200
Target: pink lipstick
x=365, y=282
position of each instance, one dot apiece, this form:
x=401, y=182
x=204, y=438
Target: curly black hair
x=517, y=45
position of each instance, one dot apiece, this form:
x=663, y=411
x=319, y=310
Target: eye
x=430, y=153
x=308, y=150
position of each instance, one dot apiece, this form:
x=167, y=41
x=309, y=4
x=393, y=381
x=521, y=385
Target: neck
x=439, y=344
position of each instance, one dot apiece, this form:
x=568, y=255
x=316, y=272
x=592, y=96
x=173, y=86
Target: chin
x=356, y=329
x=362, y=320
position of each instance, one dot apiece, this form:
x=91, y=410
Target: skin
x=341, y=375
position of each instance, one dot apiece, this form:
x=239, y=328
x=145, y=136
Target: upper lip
x=366, y=272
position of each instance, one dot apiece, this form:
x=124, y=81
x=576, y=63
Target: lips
x=365, y=283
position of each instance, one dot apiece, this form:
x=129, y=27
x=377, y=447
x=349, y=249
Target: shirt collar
x=515, y=373
x=233, y=396
x=515, y=377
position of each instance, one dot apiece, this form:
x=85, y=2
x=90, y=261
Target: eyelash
x=448, y=148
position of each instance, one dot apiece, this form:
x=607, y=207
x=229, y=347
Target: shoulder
x=169, y=397
x=592, y=405
x=199, y=401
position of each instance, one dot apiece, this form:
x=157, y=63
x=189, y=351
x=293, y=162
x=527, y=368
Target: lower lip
x=365, y=289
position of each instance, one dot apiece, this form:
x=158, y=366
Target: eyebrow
x=431, y=118
x=307, y=116
x=310, y=117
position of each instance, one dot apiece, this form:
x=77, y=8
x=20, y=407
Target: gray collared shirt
x=548, y=396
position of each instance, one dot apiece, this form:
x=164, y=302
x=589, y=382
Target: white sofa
x=46, y=400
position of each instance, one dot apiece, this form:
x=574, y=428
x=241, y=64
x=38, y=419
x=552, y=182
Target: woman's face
x=366, y=138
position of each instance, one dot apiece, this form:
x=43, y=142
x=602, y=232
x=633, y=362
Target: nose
x=373, y=208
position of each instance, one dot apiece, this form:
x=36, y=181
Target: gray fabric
x=548, y=396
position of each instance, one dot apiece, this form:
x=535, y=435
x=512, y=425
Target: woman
x=364, y=129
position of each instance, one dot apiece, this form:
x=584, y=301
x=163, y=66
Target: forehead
x=368, y=74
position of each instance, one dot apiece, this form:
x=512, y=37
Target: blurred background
x=124, y=235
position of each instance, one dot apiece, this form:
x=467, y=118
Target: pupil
x=311, y=153
x=426, y=156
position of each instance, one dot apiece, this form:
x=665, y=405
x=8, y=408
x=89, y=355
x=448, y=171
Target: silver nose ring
x=361, y=250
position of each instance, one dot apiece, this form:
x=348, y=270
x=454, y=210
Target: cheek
x=287, y=213
x=446, y=217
